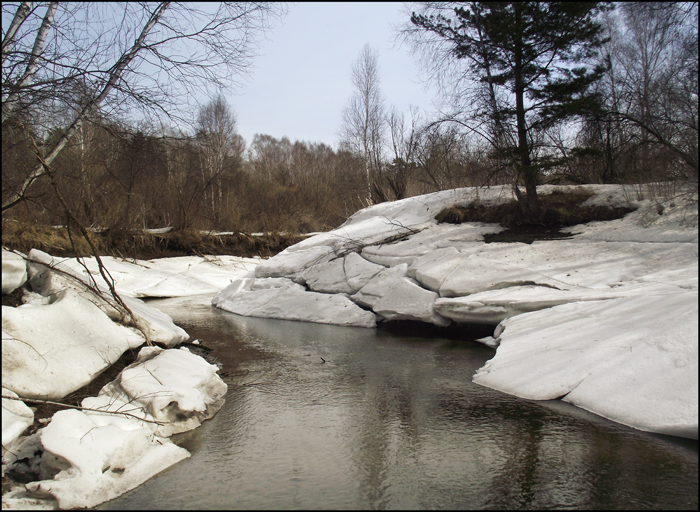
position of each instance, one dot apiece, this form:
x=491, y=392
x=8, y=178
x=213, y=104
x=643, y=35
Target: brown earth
x=60, y=242
x=559, y=209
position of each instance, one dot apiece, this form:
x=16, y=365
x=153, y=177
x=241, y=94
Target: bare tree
x=656, y=62
x=405, y=143
x=221, y=149
x=150, y=56
x=271, y=158
x=363, y=117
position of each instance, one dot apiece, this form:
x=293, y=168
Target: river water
x=320, y=416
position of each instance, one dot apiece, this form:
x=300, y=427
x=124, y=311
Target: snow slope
x=63, y=337
x=606, y=320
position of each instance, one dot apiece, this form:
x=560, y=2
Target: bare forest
x=101, y=128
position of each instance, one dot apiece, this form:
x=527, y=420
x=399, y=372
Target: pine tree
x=541, y=54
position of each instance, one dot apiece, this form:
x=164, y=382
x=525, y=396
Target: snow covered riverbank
x=63, y=337
x=607, y=320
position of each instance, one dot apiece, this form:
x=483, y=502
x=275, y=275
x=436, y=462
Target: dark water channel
x=394, y=421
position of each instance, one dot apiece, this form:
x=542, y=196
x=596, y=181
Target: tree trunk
x=20, y=16
x=10, y=104
x=531, y=205
x=90, y=105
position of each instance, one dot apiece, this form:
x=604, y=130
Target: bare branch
x=69, y=406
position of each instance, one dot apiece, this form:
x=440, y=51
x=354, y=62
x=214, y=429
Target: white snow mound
x=14, y=271
x=283, y=299
x=52, y=350
x=175, y=387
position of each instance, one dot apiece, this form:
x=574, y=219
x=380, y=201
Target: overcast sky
x=300, y=81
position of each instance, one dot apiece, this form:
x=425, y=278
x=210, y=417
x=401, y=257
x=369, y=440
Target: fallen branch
x=50, y=402
x=109, y=281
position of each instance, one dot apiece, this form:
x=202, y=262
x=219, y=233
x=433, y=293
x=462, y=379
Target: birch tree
x=363, y=117
x=152, y=58
x=221, y=149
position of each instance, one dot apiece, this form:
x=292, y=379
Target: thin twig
x=103, y=271
x=50, y=402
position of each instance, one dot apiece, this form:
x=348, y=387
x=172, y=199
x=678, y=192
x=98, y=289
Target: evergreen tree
x=541, y=54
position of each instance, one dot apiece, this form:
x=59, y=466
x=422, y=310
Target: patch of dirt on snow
x=558, y=209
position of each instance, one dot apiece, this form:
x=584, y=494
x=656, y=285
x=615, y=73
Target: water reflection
x=391, y=421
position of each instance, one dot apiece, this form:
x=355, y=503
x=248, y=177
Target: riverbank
x=144, y=245
x=397, y=262
x=120, y=397
x=570, y=316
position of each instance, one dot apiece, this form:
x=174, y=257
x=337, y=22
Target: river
x=320, y=416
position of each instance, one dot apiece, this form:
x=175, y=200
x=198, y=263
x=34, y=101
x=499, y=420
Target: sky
x=300, y=81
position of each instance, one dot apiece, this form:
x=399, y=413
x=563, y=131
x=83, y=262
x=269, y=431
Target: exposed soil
x=558, y=210
x=58, y=242
x=14, y=299
x=526, y=234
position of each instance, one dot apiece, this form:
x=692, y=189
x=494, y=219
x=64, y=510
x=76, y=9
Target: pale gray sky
x=300, y=81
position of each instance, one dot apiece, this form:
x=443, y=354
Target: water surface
x=321, y=416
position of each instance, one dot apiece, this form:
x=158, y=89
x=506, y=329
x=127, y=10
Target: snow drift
x=606, y=320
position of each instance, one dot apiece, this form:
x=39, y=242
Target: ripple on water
x=394, y=421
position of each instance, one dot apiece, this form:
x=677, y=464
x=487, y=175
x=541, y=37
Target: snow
x=51, y=350
x=394, y=297
x=606, y=320
x=66, y=334
x=90, y=456
x=342, y=275
x=175, y=387
x=612, y=357
x=164, y=277
x=290, y=262
x=14, y=271
x=49, y=275
x=97, y=461
x=16, y=417
x=587, y=300
x=282, y=298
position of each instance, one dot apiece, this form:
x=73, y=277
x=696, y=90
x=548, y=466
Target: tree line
x=533, y=93
x=120, y=176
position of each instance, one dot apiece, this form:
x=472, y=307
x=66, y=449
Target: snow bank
x=493, y=306
x=163, y=277
x=16, y=417
x=14, y=271
x=62, y=338
x=49, y=275
x=175, y=387
x=49, y=351
x=341, y=275
x=394, y=297
x=291, y=262
x=96, y=461
x=633, y=359
x=284, y=299
x=89, y=456
x=570, y=291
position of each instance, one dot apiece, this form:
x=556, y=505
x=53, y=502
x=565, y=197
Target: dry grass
x=559, y=209
x=24, y=237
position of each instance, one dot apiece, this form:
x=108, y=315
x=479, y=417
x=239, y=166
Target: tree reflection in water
x=394, y=421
